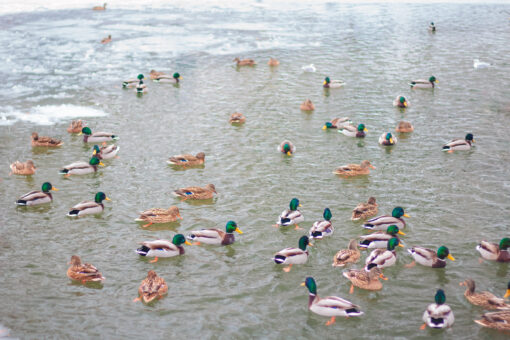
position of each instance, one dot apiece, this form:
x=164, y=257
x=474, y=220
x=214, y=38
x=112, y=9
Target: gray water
x=54, y=70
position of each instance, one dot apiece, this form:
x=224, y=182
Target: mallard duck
x=459, y=144
x=196, y=193
x=332, y=84
x=187, y=159
x=132, y=82
x=329, y=306
x=163, y=78
x=45, y=141
x=309, y=68
x=292, y=256
x=387, y=139
x=291, y=216
x=384, y=257
x=404, y=127
x=423, y=84
x=37, y=197
x=105, y=152
x=97, y=137
x=486, y=300
x=379, y=239
x=152, y=287
x=365, y=278
x=432, y=27
x=345, y=256
x=245, y=62
x=81, y=168
x=401, y=102
x=493, y=251
x=89, y=207
x=216, y=236
x=365, y=210
x=287, y=148
x=20, y=168
x=158, y=215
x=76, y=126
x=99, y=8
x=354, y=169
x=237, y=118
x=496, y=320
x=324, y=228
x=352, y=131
x=107, y=39
x=163, y=248
x=307, y=105
x=384, y=221
x=429, y=258
x=83, y=272
x=438, y=315
x=273, y=62
x=480, y=64
x=337, y=123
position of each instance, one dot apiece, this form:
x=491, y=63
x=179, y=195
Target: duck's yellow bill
x=80, y=133
x=101, y=163
x=406, y=215
x=302, y=284
x=180, y=77
x=54, y=189
x=107, y=198
x=299, y=205
x=451, y=257
x=239, y=230
x=507, y=293
x=391, y=140
x=401, y=233
x=94, y=152
x=288, y=153
x=188, y=243
x=436, y=81
x=365, y=130
x=324, y=127
x=310, y=244
x=401, y=245
x=405, y=104
x=324, y=83
x=473, y=140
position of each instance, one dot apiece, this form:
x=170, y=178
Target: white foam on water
x=48, y=114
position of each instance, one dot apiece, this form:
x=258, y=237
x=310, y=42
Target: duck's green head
x=304, y=242
x=140, y=76
x=95, y=150
x=100, y=196
x=389, y=137
x=440, y=297
x=433, y=79
x=327, y=125
x=327, y=214
x=231, y=226
x=398, y=212
x=402, y=99
x=95, y=161
x=287, y=149
x=392, y=243
x=470, y=137
x=176, y=76
x=311, y=285
x=361, y=127
x=327, y=80
x=504, y=243
x=47, y=187
x=394, y=230
x=179, y=239
x=294, y=204
x=443, y=252
x=86, y=131
x=431, y=24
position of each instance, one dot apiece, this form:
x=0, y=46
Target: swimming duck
x=379, y=239
x=423, y=84
x=354, y=169
x=158, y=215
x=45, y=141
x=352, y=131
x=81, y=168
x=459, y=144
x=345, y=256
x=480, y=64
x=76, y=126
x=493, y=251
x=404, y=127
x=187, y=159
x=387, y=139
x=99, y=8
x=20, y=168
x=496, y=320
x=287, y=148
x=89, y=207
x=332, y=84
x=329, y=306
x=384, y=221
x=384, y=257
x=324, y=228
x=309, y=68
x=237, y=118
x=37, y=197
x=307, y=105
x=337, y=123
x=273, y=62
x=152, y=287
x=432, y=27
x=83, y=272
x=365, y=210
x=486, y=300
x=216, y=236
x=196, y=193
x=163, y=248
x=438, y=315
x=133, y=82
x=401, y=102
x=107, y=39
x=292, y=256
x=291, y=216
x=244, y=62
x=429, y=258
x=97, y=137
x=163, y=78
x=365, y=278
x=105, y=152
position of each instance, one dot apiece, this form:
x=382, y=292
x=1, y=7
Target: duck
x=81, y=168
x=337, y=123
x=163, y=248
x=324, y=228
x=237, y=118
x=384, y=221
x=495, y=252
x=163, y=78
x=196, y=193
x=486, y=300
x=97, y=137
x=309, y=68
x=345, y=256
x=384, y=257
x=107, y=39
x=352, y=131
x=350, y=170
x=99, y=8
x=307, y=105
x=404, y=127
x=76, y=126
x=432, y=27
x=379, y=239
x=365, y=210
x=429, y=258
x=423, y=84
x=329, y=306
x=132, y=82
x=480, y=64
x=215, y=236
x=37, y=197
x=287, y=148
x=19, y=168
x=292, y=256
x=438, y=315
x=496, y=320
x=365, y=278
x=187, y=159
x=291, y=216
x=459, y=144
x=89, y=207
x=273, y=62
x=332, y=84
x=158, y=215
x=83, y=272
x=105, y=152
x=152, y=287
x=387, y=139
x=244, y=62
x=401, y=102
x=45, y=141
